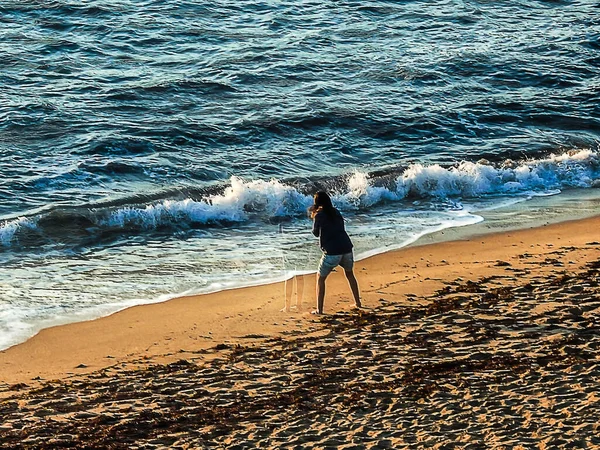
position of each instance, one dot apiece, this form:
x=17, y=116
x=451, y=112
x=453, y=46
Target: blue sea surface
x=154, y=148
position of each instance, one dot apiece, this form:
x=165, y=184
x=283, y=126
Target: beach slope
x=487, y=342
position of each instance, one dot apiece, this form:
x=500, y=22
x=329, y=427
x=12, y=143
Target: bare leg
x=354, y=287
x=299, y=292
x=287, y=293
x=320, y=293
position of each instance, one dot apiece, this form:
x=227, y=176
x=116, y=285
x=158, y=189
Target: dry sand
x=491, y=342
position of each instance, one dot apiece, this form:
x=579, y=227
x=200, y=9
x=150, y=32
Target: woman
x=335, y=243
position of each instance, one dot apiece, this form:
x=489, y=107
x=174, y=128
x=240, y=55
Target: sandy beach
x=487, y=342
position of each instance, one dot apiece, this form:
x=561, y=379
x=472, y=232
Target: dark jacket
x=332, y=235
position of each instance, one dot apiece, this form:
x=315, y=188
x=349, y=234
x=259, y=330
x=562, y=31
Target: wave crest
x=274, y=200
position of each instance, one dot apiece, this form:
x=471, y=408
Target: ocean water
x=150, y=149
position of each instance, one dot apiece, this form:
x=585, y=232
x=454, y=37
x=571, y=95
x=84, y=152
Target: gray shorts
x=330, y=262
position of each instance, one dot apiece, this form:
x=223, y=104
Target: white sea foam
x=408, y=229
x=9, y=228
x=468, y=179
x=273, y=198
x=13, y=326
x=244, y=200
x=361, y=192
x=239, y=200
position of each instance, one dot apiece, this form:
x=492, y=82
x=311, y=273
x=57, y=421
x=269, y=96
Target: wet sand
x=491, y=342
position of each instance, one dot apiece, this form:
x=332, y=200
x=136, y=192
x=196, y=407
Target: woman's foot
x=316, y=312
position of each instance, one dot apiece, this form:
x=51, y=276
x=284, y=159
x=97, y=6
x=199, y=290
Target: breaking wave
x=275, y=200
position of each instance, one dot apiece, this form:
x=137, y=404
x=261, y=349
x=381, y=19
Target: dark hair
x=322, y=202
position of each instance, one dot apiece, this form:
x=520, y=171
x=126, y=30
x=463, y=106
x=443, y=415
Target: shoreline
x=534, y=212
x=490, y=342
x=177, y=328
